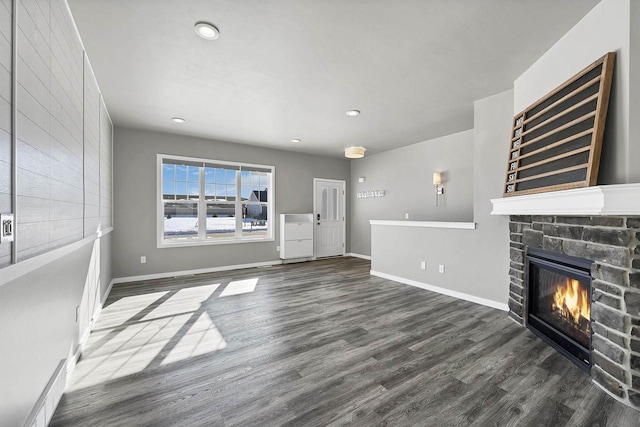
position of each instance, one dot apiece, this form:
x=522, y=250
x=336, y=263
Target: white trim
x=15, y=271
x=425, y=224
x=367, y=257
x=192, y=272
x=621, y=199
x=344, y=214
x=444, y=291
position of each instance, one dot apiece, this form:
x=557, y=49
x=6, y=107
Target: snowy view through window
x=233, y=200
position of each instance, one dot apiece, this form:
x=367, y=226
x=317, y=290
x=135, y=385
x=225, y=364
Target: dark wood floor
x=319, y=343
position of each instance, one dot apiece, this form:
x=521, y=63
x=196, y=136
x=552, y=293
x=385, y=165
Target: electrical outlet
x=277, y=248
x=441, y=268
x=423, y=265
x=406, y=216
x=7, y=227
x=143, y=259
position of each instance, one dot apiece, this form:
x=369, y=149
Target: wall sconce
x=437, y=182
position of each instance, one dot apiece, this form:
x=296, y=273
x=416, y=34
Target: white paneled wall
x=106, y=159
x=33, y=120
x=91, y=151
x=63, y=132
x=66, y=204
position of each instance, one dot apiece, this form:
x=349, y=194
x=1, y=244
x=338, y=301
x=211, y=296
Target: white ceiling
x=291, y=68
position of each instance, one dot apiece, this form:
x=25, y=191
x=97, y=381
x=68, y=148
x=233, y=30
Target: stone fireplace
x=580, y=224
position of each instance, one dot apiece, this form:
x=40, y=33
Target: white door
x=329, y=202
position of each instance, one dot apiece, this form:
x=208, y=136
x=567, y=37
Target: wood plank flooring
x=319, y=343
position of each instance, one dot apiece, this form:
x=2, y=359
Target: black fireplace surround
x=559, y=303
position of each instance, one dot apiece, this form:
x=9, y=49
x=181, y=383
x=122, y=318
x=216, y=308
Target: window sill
x=167, y=245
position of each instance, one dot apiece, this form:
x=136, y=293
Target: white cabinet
x=296, y=236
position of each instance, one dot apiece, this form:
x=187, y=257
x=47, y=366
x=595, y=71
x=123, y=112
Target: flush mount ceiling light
x=296, y=140
x=353, y=113
x=354, y=152
x=206, y=31
x=178, y=119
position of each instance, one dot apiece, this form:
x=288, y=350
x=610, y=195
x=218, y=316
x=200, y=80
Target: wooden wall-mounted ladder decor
x=556, y=142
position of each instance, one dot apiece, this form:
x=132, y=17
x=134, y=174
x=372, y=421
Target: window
x=209, y=201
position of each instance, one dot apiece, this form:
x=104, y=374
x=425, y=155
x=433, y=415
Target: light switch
x=7, y=228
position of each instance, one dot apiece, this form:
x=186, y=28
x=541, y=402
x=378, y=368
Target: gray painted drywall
x=611, y=26
x=476, y=261
x=135, y=204
x=406, y=176
x=39, y=328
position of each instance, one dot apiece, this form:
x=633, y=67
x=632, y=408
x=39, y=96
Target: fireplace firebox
x=559, y=303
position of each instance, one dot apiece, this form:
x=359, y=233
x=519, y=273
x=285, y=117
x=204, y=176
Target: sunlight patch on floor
x=238, y=287
x=144, y=335
x=202, y=337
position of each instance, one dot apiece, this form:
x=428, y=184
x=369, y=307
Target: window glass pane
x=246, y=192
x=194, y=190
x=231, y=177
x=181, y=190
x=209, y=174
x=220, y=175
x=180, y=221
x=169, y=172
x=221, y=191
x=221, y=221
x=194, y=173
x=231, y=192
x=263, y=181
x=255, y=222
x=325, y=204
x=209, y=191
x=181, y=173
x=168, y=190
x=334, y=203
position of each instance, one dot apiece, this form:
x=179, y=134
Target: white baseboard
x=444, y=291
x=191, y=272
x=367, y=257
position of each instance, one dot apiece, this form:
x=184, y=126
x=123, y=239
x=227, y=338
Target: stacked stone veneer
x=613, y=243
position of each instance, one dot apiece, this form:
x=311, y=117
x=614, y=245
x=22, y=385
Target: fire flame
x=572, y=301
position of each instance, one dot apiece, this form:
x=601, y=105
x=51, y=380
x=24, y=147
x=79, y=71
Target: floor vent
x=48, y=402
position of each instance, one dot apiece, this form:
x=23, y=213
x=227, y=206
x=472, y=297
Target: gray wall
x=135, y=204
x=476, y=261
x=38, y=325
x=406, y=176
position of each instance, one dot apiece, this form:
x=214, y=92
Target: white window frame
x=202, y=206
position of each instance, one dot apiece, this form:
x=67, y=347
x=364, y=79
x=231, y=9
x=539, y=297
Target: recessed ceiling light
x=178, y=119
x=207, y=31
x=296, y=140
x=353, y=113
